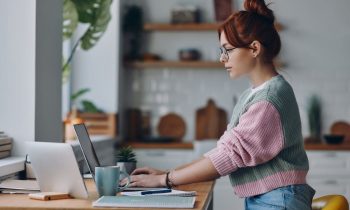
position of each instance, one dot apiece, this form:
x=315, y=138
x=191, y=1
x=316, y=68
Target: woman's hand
x=146, y=180
x=147, y=170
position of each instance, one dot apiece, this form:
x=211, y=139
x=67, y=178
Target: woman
x=262, y=149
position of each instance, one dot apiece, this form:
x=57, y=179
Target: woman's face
x=238, y=61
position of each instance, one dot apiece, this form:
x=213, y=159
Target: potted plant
x=87, y=106
x=126, y=159
x=76, y=115
x=314, y=110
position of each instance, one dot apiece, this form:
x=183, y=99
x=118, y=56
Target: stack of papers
x=19, y=186
x=145, y=201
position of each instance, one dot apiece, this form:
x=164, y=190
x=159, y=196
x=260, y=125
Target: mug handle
x=127, y=184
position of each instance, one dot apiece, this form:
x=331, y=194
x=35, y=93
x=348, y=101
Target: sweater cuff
x=222, y=162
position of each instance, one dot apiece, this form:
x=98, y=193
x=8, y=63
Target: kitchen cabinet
x=224, y=197
x=329, y=172
x=163, y=159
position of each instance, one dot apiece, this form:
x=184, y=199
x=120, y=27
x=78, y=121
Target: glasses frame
x=224, y=53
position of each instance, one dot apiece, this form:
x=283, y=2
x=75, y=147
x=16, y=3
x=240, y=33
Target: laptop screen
x=87, y=147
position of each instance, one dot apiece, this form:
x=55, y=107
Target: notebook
x=173, y=193
x=19, y=186
x=145, y=201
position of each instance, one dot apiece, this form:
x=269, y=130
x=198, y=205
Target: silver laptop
x=56, y=168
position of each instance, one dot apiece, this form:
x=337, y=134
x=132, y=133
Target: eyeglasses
x=224, y=53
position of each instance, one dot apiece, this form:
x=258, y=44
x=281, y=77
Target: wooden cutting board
x=172, y=125
x=341, y=128
x=211, y=121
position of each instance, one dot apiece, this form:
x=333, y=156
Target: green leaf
x=89, y=106
x=70, y=19
x=95, y=13
x=86, y=9
x=98, y=25
x=79, y=93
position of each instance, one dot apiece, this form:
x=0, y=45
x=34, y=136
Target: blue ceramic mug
x=107, y=180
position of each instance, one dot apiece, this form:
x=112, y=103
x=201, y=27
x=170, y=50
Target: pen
x=155, y=191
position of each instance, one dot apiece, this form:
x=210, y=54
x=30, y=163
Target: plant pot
x=128, y=167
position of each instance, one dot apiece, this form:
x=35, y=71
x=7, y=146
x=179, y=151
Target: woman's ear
x=256, y=48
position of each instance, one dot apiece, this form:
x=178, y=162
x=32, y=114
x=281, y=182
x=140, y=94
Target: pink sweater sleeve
x=256, y=139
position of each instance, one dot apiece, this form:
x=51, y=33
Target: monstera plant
x=95, y=13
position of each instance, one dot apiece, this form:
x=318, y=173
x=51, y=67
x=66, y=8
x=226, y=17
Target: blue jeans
x=292, y=197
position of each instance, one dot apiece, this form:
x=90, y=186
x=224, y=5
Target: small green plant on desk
x=126, y=159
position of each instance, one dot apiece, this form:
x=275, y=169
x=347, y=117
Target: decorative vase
x=223, y=9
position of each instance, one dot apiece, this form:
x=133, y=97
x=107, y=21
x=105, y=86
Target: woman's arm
x=197, y=171
x=188, y=164
x=149, y=170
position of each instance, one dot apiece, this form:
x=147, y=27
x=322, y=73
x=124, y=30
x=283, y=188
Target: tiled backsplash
x=181, y=91
x=184, y=91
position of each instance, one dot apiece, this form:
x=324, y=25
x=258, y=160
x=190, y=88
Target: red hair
x=255, y=23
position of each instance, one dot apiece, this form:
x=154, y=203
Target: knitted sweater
x=262, y=148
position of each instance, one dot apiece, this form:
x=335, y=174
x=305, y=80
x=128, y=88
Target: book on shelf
x=5, y=154
x=5, y=147
x=5, y=140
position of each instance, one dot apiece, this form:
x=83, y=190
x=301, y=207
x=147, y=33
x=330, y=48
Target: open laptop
x=87, y=148
x=56, y=168
x=90, y=154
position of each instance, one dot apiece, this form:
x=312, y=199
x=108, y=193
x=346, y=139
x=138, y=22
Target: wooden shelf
x=327, y=147
x=182, y=64
x=180, y=27
x=175, y=64
x=188, y=27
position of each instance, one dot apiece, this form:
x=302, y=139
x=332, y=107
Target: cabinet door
x=330, y=185
x=163, y=159
x=329, y=163
x=329, y=172
x=224, y=197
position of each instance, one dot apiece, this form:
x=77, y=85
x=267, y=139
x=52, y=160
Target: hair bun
x=259, y=7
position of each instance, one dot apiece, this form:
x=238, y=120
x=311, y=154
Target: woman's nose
x=222, y=59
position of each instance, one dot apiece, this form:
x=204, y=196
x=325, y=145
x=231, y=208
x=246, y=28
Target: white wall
x=98, y=67
x=30, y=64
x=17, y=74
x=315, y=47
